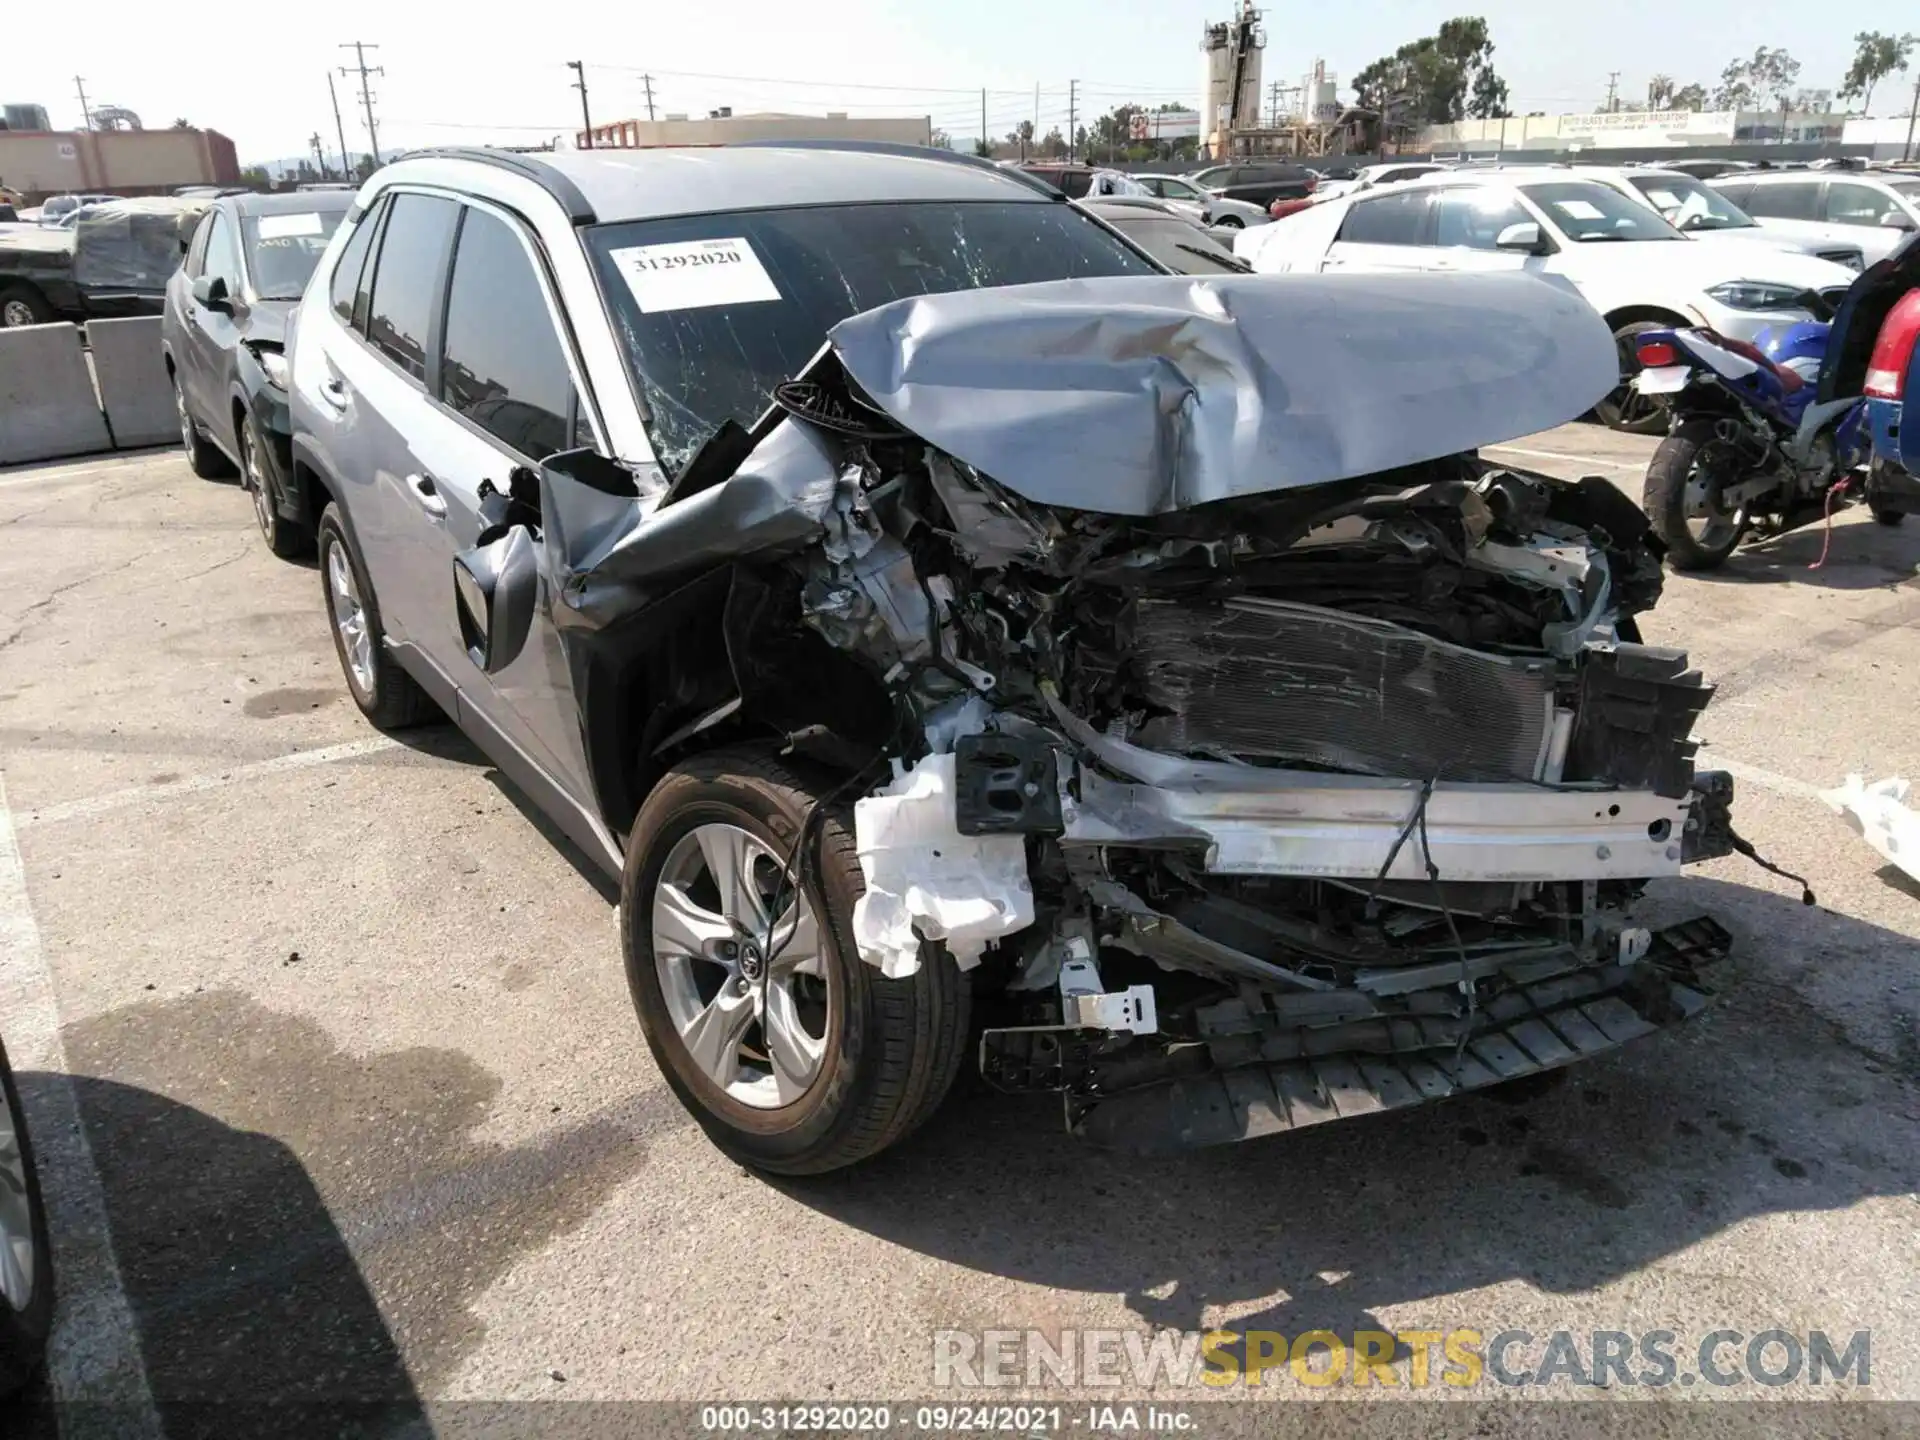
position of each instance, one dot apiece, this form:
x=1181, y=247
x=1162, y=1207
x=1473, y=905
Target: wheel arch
x=1657, y=314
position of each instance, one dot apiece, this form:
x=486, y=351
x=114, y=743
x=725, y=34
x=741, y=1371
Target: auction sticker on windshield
x=285, y=227
x=694, y=274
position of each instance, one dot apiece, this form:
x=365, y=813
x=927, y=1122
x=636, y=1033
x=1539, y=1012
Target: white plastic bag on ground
x=1879, y=813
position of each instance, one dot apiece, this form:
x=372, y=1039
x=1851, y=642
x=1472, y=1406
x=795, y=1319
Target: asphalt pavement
x=342, y=1095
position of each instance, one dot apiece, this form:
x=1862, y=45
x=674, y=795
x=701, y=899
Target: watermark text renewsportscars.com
x=1417, y=1359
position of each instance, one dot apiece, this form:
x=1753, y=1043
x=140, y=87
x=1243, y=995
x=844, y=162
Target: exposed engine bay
x=1251, y=811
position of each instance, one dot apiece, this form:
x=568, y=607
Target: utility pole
x=1613, y=90
x=986, y=141
x=346, y=160
x=586, y=120
x=320, y=156
x=1906, y=151
x=647, y=80
x=86, y=114
x=360, y=49
x=1273, y=106
x=1073, y=112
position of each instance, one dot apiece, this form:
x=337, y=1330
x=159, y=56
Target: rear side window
x=504, y=366
x=1390, y=220
x=1851, y=203
x=353, y=261
x=1737, y=195
x=1795, y=201
x=407, y=278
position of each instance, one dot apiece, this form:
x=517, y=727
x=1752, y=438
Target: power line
x=360, y=49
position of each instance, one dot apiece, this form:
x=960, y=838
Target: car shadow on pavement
x=1860, y=556
x=1764, y=1104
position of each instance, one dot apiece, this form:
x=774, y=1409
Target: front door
x=211, y=335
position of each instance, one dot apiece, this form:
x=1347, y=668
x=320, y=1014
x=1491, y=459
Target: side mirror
x=1894, y=220
x=1524, y=237
x=494, y=587
x=211, y=291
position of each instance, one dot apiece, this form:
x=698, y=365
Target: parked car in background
x=224, y=336
x=113, y=261
x=26, y=1257
x=1073, y=181
x=1258, y=182
x=1369, y=176
x=1202, y=205
x=1169, y=237
x=1707, y=168
x=1871, y=210
x=1884, y=304
x=1631, y=265
x=55, y=210
x=799, y=528
x=1700, y=212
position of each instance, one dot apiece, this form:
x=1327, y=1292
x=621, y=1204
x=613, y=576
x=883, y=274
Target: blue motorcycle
x=1751, y=448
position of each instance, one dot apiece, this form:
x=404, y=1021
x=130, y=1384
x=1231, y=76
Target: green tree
x=1053, y=144
x=1766, y=78
x=1875, y=57
x=1689, y=97
x=1435, y=80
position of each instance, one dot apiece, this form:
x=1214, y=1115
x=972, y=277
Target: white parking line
x=1766, y=779
x=86, y=809
x=9, y=478
x=95, y=1353
x=1571, y=459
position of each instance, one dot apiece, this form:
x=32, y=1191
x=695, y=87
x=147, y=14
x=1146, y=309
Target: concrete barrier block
x=134, y=389
x=47, y=405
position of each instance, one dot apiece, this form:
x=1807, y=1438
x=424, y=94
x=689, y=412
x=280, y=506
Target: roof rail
x=911, y=152
x=538, y=171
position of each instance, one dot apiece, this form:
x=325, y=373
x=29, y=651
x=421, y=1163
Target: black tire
x=203, y=456
x=24, y=305
x=1665, y=499
x=1625, y=410
x=1229, y=222
x=24, y=1329
x=285, y=538
x=387, y=695
x=892, y=1047
x=1883, y=516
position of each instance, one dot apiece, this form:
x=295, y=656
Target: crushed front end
x=1247, y=804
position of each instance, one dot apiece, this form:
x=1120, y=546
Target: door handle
x=428, y=494
x=334, y=393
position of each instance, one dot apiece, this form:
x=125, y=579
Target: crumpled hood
x=1140, y=395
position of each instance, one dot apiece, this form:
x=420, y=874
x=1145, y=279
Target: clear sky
x=491, y=71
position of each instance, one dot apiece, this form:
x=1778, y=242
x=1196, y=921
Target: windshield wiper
x=1232, y=262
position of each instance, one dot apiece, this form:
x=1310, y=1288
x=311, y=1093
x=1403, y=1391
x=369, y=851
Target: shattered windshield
x=714, y=311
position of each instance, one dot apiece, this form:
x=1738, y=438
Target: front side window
x=1389, y=220
x=1587, y=213
x=1472, y=218
x=504, y=367
x=1176, y=189
x=223, y=252
x=407, y=276
x=1794, y=201
x=283, y=249
x=197, y=251
x=714, y=311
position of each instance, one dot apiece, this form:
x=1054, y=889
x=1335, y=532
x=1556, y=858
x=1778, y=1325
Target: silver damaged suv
x=970, y=644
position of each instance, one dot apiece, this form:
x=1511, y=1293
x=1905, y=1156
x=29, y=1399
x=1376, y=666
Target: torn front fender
x=1140, y=395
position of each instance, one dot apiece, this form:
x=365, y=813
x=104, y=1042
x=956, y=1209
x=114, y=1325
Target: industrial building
x=723, y=127
x=1747, y=133
x=39, y=163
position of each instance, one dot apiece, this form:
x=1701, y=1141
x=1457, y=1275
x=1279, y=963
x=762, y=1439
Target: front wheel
x=794, y=1054
x=22, y=305
x=26, y=1257
x=284, y=538
x=1626, y=409
x=203, y=456
x=1683, y=502
x=386, y=694
x=1885, y=516
x=1229, y=222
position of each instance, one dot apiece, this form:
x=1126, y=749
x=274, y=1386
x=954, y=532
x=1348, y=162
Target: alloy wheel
x=1709, y=522
x=16, y=313
x=17, y=1256
x=180, y=409
x=350, y=617
x=253, y=473
x=745, y=987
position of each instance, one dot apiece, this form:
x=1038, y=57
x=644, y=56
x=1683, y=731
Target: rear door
x=1384, y=232
x=508, y=397
x=385, y=381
